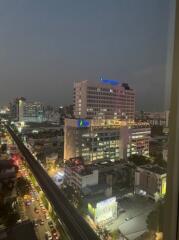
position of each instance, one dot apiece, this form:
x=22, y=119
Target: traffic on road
x=35, y=210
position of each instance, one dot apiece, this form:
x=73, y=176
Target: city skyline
x=88, y=132
x=46, y=48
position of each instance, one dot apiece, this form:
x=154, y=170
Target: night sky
x=46, y=45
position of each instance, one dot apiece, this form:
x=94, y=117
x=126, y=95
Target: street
x=34, y=210
x=30, y=206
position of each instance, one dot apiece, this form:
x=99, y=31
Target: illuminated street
x=41, y=214
x=31, y=206
x=62, y=208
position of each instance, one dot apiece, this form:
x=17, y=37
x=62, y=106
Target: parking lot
x=133, y=212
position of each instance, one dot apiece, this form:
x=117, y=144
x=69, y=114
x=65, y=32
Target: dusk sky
x=46, y=45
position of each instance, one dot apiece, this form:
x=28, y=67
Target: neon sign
x=83, y=123
x=110, y=81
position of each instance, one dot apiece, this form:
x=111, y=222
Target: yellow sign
x=164, y=185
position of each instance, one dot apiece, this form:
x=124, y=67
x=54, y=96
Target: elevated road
x=77, y=227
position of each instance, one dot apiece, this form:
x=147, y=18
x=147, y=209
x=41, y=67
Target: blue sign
x=83, y=123
x=110, y=81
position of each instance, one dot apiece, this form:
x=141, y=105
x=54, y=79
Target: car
x=50, y=223
x=48, y=236
x=54, y=232
x=36, y=210
x=34, y=192
x=47, y=216
x=56, y=237
x=43, y=210
x=27, y=203
x=35, y=222
x=41, y=222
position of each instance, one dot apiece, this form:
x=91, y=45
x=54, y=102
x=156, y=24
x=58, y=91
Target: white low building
x=80, y=176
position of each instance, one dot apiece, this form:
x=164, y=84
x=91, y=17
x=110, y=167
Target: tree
x=9, y=214
x=139, y=160
x=159, y=161
x=115, y=235
x=44, y=200
x=155, y=219
x=23, y=186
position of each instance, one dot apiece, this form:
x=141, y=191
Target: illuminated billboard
x=83, y=123
x=105, y=211
x=106, y=202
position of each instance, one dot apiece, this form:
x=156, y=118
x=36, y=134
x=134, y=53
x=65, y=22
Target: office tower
x=21, y=103
x=17, y=109
x=97, y=139
x=27, y=111
x=107, y=99
x=33, y=112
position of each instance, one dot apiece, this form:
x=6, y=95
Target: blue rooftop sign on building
x=110, y=81
x=82, y=123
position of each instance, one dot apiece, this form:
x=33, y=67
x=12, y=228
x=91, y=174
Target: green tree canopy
x=139, y=160
x=23, y=186
x=155, y=219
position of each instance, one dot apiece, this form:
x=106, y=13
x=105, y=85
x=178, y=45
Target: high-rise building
x=97, y=139
x=154, y=118
x=107, y=99
x=33, y=112
x=17, y=109
x=20, y=106
x=26, y=111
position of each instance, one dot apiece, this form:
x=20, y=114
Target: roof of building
x=83, y=170
x=98, y=187
x=94, y=199
x=108, y=163
x=154, y=168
